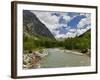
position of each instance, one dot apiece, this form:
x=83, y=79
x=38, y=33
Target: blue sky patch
x=61, y=24
x=73, y=23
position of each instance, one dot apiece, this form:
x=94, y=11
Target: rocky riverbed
x=55, y=57
x=32, y=59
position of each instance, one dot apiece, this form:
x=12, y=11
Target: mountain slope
x=86, y=34
x=33, y=25
x=81, y=42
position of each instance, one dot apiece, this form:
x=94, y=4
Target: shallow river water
x=58, y=58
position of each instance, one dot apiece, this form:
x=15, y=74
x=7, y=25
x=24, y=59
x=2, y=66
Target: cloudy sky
x=65, y=24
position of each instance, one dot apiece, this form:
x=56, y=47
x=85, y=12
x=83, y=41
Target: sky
x=65, y=24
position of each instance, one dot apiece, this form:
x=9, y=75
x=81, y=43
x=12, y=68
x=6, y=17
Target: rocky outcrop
x=32, y=60
x=86, y=51
x=34, y=26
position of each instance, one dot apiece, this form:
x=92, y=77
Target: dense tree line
x=80, y=42
x=32, y=42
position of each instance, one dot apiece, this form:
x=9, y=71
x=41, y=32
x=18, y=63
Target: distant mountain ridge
x=87, y=33
x=33, y=26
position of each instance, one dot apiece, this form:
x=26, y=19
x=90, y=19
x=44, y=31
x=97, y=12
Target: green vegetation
x=81, y=42
x=36, y=42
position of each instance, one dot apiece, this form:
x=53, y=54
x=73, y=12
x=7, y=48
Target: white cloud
x=67, y=18
x=80, y=31
x=72, y=30
x=70, y=34
x=52, y=23
x=81, y=27
x=60, y=36
x=45, y=17
x=84, y=21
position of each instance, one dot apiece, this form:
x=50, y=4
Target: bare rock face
x=34, y=26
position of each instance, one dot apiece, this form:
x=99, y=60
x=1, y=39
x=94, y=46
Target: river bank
x=78, y=52
x=32, y=59
x=54, y=57
x=64, y=58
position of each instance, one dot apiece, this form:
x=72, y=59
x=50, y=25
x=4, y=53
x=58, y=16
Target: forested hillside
x=33, y=42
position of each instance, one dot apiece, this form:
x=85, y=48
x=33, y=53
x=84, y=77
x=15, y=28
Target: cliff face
x=33, y=26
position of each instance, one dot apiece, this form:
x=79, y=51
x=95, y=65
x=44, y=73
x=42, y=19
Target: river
x=58, y=58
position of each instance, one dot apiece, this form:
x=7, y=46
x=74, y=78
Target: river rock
x=32, y=60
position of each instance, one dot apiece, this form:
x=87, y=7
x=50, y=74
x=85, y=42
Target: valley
x=42, y=50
